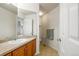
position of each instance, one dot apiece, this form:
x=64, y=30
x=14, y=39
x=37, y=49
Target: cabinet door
x=33, y=47
x=28, y=49
x=19, y=51
x=9, y=54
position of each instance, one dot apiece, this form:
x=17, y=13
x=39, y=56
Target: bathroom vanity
x=19, y=47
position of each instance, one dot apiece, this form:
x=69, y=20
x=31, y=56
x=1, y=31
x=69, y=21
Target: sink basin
x=11, y=42
x=17, y=41
x=21, y=40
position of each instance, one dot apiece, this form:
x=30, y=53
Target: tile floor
x=47, y=51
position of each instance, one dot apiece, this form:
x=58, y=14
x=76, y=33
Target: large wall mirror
x=8, y=15
x=26, y=23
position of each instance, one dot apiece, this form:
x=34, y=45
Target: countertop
x=9, y=46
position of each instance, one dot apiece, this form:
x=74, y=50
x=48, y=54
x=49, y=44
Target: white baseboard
x=53, y=47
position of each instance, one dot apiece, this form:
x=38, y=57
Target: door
x=28, y=27
x=63, y=27
x=68, y=29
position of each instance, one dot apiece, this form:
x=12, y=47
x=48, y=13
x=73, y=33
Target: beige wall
x=51, y=21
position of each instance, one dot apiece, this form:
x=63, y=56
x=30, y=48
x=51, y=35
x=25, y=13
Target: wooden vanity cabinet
x=19, y=52
x=34, y=47
x=9, y=54
x=28, y=49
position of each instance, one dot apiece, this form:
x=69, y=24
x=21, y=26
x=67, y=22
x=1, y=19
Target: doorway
x=49, y=29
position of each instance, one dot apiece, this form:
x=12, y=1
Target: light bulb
x=40, y=13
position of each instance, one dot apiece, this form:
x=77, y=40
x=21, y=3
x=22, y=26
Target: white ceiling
x=24, y=12
x=9, y=7
x=46, y=7
x=14, y=9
